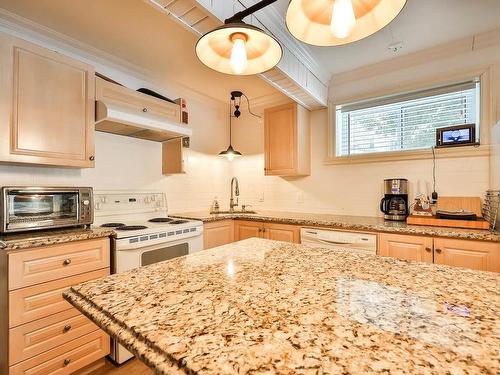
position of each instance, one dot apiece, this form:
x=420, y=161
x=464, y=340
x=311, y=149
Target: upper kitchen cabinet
x=46, y=106
x=287, y=141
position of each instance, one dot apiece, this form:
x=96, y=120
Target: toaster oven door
x=39, y=209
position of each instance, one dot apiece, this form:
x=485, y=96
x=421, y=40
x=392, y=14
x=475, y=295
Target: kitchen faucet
x=232, y=205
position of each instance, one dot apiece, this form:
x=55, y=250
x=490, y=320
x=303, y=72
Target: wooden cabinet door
x=282, y=232
x=477, y=255
x=247, y=229
x=287, y=141
x=405, y=247
x=218, y=233
x=280, y=142
x=173, y=157
x=46, y=105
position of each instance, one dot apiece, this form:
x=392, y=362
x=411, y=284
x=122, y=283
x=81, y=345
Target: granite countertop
x=260, y=306
x=359, y=223
x=20, y=241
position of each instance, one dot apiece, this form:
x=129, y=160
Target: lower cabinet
x=217, y=233
x=477, y=255
x=41, y=333
x=271, y=231
x=405, y=247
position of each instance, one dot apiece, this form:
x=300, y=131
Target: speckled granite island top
x=356, y=223
x=11, y=242
x=260, y=306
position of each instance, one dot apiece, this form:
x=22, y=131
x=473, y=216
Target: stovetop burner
x=112, y=225
x=161, y=220
x=132, y=227
x=179, y=222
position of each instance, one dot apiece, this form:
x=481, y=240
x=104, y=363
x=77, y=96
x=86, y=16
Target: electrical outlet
x=300, y=197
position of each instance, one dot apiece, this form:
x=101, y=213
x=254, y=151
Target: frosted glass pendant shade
x=239, y=49
x=331, y=22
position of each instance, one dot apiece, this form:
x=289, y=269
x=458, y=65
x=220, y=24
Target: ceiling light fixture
x=238, y=48
x=338, y=22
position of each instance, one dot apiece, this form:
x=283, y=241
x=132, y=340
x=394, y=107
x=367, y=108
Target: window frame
x=486, y=117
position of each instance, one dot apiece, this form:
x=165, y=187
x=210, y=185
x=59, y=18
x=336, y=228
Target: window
x=404, y=121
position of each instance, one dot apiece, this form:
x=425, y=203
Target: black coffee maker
x=394, y=204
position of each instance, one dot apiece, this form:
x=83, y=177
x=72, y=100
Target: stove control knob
x=146, y=199
x=104, y=199
x=153, y=198
x=97, y=206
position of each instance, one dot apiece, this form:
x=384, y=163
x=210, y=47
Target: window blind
x=406, y=121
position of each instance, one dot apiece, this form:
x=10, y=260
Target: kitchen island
x=271, y=307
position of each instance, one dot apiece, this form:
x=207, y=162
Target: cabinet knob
x=92, y=158
x=66, y=262
x=428, y=249
x=66, y=328
x=67, y=361
x=438, y=250
x=144, y=109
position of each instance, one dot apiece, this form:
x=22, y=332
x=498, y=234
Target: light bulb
x=230, y=156
x=239, y=60
x=343, y=19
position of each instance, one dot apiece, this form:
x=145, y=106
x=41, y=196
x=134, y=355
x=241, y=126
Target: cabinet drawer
x=39, y=301
x=66, y=359
x=50, y=263
x=44, y=334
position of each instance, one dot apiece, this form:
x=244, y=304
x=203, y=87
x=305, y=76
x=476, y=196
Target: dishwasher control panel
x=365, y=242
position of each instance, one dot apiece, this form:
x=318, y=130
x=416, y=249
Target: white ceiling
x=421, y=24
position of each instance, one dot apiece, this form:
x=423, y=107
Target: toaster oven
x=34, y=208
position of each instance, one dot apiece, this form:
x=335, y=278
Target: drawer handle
x=66, y=362
x=428, y=249
x=438, y=250
x=144, y=109
x=66, y=328
x=66, y=262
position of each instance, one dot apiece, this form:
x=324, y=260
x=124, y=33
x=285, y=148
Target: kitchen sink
x=234, y=212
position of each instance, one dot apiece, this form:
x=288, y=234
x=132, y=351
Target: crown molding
x=34, y=32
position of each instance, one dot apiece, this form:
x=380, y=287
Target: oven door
x=29, y=209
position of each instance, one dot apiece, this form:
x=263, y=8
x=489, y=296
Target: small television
x=459, y=135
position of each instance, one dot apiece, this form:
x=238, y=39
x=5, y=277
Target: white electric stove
x=145, y=234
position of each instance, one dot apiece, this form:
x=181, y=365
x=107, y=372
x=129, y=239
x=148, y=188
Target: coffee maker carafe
x=394, y=205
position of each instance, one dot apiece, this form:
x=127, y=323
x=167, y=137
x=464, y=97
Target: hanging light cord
x=248, y=105
x=230, y=125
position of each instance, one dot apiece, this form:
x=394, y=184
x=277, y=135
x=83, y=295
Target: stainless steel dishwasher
x=360, y=242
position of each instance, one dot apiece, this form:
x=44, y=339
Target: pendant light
x=238, y=48
x=230, y=153
x=338, y=22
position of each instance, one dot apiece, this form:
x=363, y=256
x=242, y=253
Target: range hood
x=122, y=120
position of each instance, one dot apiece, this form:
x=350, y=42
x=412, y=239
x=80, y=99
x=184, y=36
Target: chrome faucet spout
x=235, y=188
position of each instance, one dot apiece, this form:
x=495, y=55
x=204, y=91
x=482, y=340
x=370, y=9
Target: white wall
x=356, y=189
